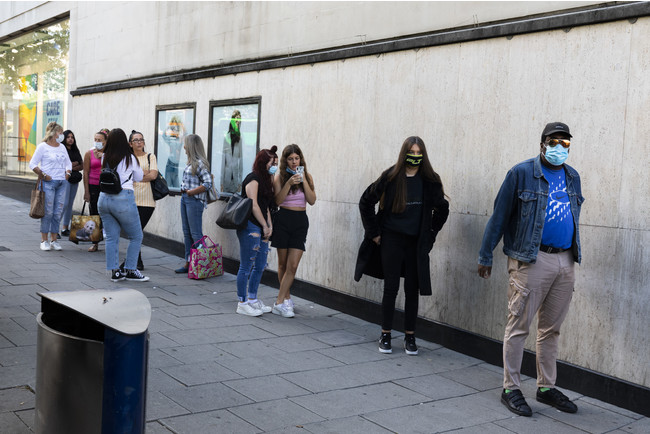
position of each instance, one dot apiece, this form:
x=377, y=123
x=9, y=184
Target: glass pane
x=33, y=88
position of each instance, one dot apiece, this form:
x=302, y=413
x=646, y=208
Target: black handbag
x=236, y=213
x=75, y=177
x=159, y=186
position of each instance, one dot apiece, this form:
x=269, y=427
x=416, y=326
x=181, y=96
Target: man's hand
x=484, y=271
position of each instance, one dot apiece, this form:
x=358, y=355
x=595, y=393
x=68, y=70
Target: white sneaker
x=45, y=245
x=283, y=309
x=55, y=245
x=247, y=309
x=258, y=304
x=289, y=303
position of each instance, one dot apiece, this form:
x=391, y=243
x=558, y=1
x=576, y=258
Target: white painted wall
x=480, y=108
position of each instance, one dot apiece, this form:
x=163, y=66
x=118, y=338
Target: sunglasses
x=554, y=142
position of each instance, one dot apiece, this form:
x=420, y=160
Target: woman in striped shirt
x=142, y=190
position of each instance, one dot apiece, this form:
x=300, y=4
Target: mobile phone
x=300, y=170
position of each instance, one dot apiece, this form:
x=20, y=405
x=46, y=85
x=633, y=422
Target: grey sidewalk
x=213, y=371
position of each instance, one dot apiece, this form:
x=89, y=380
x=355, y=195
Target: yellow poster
x=27, y=117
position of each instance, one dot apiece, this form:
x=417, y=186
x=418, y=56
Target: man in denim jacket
x=537, y=212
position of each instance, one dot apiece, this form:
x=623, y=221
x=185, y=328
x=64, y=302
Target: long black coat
x=435, y=210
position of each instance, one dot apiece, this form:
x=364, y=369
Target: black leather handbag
x=236, y=213
x=159, y=186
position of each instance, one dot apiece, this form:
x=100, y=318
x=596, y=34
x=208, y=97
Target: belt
x=550, y=249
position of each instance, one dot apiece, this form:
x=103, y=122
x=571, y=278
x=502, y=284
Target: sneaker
x=557, y=399
x=58, y=236
x=136, y=276
x=65, y=232
x=117, y=275
x=282, y=309
x=384, y=343
x=409, y=345
x=248, y=309
x=258, y=304
x=516, y=403
x=45, y=245
x=289, y=302
x=55, y=245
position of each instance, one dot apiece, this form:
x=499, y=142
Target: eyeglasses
x=554, y=142
x=138, y=140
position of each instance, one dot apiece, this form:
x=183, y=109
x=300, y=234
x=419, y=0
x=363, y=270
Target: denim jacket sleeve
x=503, y=207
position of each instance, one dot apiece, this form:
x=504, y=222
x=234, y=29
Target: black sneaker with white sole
x=135, y=276
x=385, y=344
x=409, y=345
x=117, y=275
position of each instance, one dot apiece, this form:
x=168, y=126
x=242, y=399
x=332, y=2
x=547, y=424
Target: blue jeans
x=192, y=219
x=252, y=260
x=54, y=198
x=71, y=192
x=118, y=211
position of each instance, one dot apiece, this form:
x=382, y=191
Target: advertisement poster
x=27, y=139
x=172, y=126
x=234, y=144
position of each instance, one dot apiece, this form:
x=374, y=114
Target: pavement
x=214, y=371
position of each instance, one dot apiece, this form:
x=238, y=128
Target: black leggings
x=397, y=251
x=145, y=214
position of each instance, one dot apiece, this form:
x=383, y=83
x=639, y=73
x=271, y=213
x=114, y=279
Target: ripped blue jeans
x=252, y=261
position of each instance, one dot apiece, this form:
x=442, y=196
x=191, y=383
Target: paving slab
x=214, y=371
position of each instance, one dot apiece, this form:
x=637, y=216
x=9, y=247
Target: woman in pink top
x=92, y=169
x=290, y=224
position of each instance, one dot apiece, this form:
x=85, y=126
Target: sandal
x=93, y=248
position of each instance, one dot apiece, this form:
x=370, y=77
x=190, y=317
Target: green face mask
x=413, y=159
x=233, y=122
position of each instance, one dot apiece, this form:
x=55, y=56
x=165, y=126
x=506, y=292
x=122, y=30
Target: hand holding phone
x=300, y=170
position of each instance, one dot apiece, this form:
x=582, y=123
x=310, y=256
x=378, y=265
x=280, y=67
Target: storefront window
x=33, y=89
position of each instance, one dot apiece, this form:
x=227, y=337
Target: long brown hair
x=398, y=173
x=284, y=175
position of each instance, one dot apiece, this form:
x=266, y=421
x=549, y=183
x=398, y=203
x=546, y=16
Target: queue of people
x=536, y=212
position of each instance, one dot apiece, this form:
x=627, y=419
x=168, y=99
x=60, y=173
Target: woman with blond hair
x=293, y=191
x=53, y=166
x=196, y=182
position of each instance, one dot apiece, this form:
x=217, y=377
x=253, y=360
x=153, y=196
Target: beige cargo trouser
x=544, y=288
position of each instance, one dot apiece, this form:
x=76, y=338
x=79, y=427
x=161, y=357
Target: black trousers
x=145, y=213
x=397, y=251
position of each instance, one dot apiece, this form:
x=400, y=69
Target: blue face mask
x=293, y=172
x=556, y=155
x=273, y=169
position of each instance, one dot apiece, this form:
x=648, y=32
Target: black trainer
x=117, y=275
x=409, y=345
x=516, y=403
x=557, y=399
x=135, y=275
x=384, y=343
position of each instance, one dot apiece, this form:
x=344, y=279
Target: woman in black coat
x=398, y=238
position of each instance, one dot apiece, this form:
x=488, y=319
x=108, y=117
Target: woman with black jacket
x=398, y=238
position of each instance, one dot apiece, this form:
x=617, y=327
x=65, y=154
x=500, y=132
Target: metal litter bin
x=91, y=363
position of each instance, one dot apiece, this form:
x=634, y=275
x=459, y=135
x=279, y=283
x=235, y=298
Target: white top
x=124, y=172
x=53, y=160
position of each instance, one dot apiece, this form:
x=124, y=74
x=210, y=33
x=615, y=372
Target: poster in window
x=173, y=123
x=234, y=136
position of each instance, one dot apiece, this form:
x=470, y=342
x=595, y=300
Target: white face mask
x=99, y=146
x=60, y=138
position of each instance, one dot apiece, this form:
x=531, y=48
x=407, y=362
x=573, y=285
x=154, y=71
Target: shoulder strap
x=149, y=160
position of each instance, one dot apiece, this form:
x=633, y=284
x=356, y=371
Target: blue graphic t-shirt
x=558, y=224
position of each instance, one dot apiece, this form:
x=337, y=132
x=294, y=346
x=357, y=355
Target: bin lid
x=125, y=310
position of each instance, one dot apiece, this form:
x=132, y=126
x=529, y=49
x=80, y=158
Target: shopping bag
x=85, y=228
x=37, y=202
x=206, y=259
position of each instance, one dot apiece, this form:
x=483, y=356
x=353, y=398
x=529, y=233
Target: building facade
x=348, y=81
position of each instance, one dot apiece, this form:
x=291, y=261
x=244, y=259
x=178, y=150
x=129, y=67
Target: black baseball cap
x=555, y=127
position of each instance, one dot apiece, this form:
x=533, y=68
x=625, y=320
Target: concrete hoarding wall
x=480, y=108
